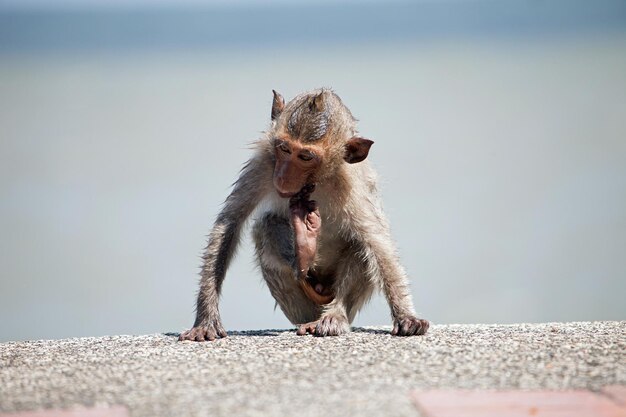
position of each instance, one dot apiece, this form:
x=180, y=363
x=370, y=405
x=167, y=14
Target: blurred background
x=500, y=130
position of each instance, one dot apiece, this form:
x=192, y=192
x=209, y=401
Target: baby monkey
x=306, y=223
x=322, y=239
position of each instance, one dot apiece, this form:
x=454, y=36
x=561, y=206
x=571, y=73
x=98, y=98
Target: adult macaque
x=322, y=239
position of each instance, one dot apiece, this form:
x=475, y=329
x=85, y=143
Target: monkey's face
x=296, y=166
x=307, y=135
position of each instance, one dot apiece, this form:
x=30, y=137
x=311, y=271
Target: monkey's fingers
x=313, y=221
x=302, y=196
x=303, y=222
x=198, y=334
x=294, y=202
x=300, y=229
x=202, y=333
x=409, y=326
x=298, y=210
x=307, y=328
x=306, y=191
x=219, y=329
x=298, y=214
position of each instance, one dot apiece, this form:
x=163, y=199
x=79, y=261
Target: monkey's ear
x=278, y=104
x=317, y=103
x=357, y=149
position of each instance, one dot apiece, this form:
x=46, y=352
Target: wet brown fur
x=355, y=255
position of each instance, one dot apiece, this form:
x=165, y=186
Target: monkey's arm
x=223, y=241
x=383, y=266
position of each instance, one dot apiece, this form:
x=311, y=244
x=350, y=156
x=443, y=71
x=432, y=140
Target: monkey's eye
x=306, y=156
x=283, y=147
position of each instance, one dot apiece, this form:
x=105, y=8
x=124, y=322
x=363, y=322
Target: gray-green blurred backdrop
x=500, y=140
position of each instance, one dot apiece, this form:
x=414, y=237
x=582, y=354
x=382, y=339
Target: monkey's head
x=312, y=136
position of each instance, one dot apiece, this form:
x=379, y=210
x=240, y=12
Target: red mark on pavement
x=572, y=403
x=617, y=393
x=116, y=411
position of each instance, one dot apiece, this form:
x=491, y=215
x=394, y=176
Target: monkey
x=321, y=237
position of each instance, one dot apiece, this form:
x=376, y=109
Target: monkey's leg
x=386, y=269
x=274, y=243
x=395, y=285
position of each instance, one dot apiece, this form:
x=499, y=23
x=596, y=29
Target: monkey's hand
x=409, y=326
x=307, y=223
x=209, y=330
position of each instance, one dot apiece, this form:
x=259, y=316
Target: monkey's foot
x=306, y=223
x=201, y=333
x=327, y=325
x=409, y=326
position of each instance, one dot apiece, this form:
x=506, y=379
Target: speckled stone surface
x=276, y=373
